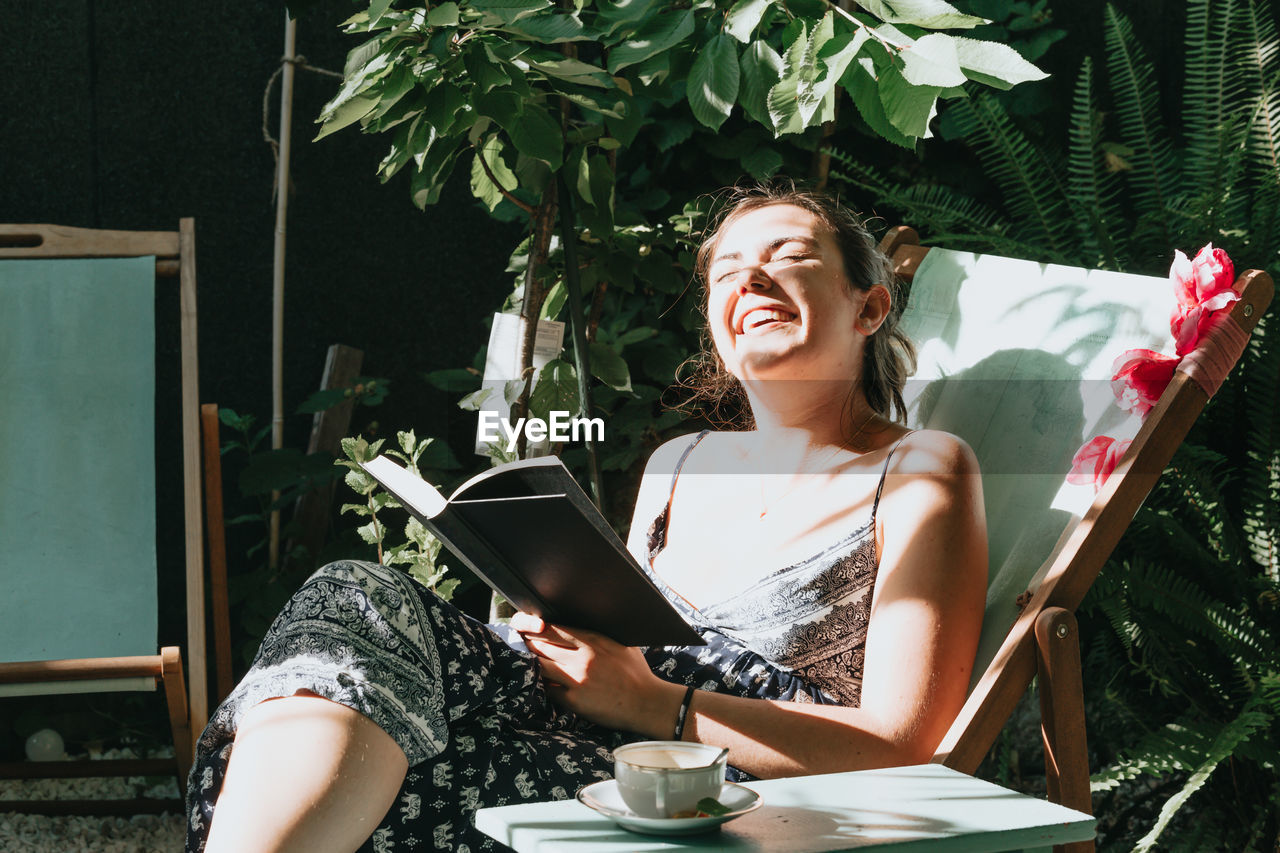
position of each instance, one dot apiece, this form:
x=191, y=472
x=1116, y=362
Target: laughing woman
x=833, y=560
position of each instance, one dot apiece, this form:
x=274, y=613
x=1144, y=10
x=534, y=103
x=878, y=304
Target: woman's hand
x=608, y=683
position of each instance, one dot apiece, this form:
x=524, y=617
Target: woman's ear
x=875, y=308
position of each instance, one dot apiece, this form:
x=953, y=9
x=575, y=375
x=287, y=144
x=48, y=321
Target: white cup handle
x=660, y=795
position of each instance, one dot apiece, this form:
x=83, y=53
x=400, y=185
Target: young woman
x=833, y=560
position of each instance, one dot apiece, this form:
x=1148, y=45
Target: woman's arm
x=925, y=621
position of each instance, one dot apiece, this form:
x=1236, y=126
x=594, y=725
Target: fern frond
x=1154, y=176
x=1091, y=187
x=1199, y=474
x=1260, y=67
x=1260, y=489
x=1212, y=93
x=1194, y=613
x=1223, y=745
x=930, y=208
x=1029, y=181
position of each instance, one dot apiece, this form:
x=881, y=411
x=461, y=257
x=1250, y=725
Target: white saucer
x=604, y=798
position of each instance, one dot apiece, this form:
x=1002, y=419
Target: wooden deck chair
x=78, y=551
x=1016, y=357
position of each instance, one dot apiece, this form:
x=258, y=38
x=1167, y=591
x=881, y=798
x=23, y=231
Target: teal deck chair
x=78, y=545
x=1016, y=357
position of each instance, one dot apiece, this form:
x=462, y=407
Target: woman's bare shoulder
x=934, y=452
x=713, y=444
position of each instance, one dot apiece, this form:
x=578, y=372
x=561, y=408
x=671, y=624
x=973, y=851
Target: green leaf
x=483, y=71
x=444, y=15
x=837, y=53
x=443, y=103
x=550, y=28
x=761, y=68
x=555, y=390
x=537, y=134
x=761, y=162
x=351, y=111
x=994, y=64
x=556, y=297
x=433, y=170
x=377, y=9
x=475, y=401
x=660, y=34
x=601, y=183
x=510, y=11
x=453, y=379
x=609, y=367
x=744, y=17
x=909, y=108
x=930, y=14
x=932, y=61
x=712, y=86
x=632, y=336
x=861, y=83
x=482, y=186
x=784, y=106
x=572, y=71
x=624, y=14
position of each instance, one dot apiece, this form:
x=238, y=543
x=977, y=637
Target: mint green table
x=900, y=809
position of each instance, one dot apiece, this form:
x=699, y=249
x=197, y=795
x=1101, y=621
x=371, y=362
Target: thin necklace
x=764, y=508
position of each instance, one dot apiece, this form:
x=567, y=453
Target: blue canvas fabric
x=77, y=424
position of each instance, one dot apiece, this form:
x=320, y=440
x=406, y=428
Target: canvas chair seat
x=1016, y=358
x=78, y=507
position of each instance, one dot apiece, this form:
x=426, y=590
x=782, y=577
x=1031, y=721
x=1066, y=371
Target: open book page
x=406, y=487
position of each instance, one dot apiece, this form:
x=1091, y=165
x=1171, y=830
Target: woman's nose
x=755, y=278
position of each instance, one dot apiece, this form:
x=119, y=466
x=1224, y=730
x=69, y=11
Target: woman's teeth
x=758, y=318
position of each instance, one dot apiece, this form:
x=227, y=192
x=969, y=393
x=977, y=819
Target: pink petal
x=1183, y=278
x=1084, y=465
x=1140, y=377
x=1212, y=271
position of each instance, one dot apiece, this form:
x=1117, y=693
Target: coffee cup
x=663, y=778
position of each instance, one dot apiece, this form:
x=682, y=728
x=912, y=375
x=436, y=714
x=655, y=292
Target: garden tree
x=1188, y=609
x=576, y=114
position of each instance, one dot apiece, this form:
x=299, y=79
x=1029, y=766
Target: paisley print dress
x=465, y=702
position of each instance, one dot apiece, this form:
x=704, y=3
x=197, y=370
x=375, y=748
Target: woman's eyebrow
x=773, y=246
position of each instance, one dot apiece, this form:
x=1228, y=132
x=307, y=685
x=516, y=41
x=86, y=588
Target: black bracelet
x=683, y=714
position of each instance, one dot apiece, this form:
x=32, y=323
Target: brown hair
x=889, y=356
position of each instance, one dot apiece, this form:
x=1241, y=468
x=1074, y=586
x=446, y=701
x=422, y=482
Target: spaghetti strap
x=658, y=530
x=883, y=473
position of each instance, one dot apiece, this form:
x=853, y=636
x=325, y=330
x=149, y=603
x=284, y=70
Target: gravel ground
x=23, y=833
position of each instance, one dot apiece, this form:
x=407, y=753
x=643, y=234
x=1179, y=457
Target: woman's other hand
x=606, y=682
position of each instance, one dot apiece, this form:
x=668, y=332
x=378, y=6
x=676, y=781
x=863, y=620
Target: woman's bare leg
x=308, y=775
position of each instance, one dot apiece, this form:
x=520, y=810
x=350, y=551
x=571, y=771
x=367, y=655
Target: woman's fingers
x=554, y=674
x=527, y=623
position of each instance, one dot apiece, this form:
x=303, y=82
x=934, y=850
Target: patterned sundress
x=465, y=702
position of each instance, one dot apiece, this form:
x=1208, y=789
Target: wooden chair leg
x=175, y=691
x=217, y=539
x=1066, y=756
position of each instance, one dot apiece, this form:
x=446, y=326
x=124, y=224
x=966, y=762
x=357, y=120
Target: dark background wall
x=129, y=115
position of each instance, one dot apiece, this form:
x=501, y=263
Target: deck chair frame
x=175, y=259
x=1044, y=641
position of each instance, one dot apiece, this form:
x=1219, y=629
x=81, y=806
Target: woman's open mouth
x=759, y=320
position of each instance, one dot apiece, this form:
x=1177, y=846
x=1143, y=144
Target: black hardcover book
x=528, y=530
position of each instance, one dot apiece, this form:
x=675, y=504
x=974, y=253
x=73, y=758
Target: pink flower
x=1189, y=324
x=1094, y=462
x=1208, y=274
x=1140, y=377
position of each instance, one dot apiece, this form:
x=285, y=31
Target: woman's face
x=779, y=302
